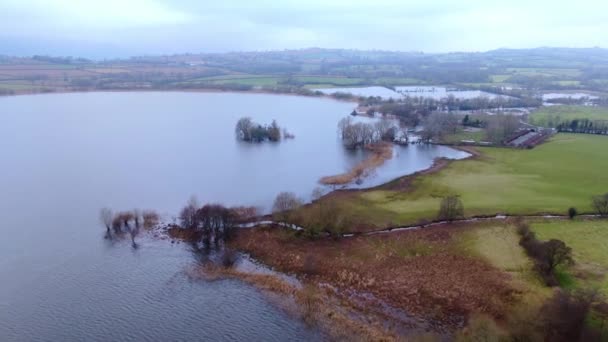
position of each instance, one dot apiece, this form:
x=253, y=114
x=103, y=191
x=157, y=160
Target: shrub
x=572, y=212
x=451, y=208
x=600, y=203
x=565, y=314
x=547, y=255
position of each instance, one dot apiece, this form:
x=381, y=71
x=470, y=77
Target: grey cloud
x=163, y=26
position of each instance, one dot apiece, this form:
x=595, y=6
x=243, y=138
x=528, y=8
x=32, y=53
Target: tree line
x=583, y=126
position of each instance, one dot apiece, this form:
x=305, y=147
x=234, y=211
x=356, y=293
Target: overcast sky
x=113, y=28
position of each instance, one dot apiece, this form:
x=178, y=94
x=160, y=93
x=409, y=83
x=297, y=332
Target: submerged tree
x=244, y=128
x=106, y=217
x=150, y=218
x=249, y=131
x=187, y=216
x=127, y=222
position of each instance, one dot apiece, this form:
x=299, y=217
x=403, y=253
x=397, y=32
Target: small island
x=250, y=131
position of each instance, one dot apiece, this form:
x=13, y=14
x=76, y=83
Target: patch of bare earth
x=415, y=279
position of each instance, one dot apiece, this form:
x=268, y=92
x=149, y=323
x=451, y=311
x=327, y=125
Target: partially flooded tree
x=106, y=216
x=136, y=217
x=216, y=223
x=187, y=216
x=274, y=131
x=250, y=131
x=451, y=208
x=150, y=218
x=600, y=204
x=244, y=128
x=284, y=204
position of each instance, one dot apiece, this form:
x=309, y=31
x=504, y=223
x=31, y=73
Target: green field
x=461, y=135
x=589, y=242
x=564, y=172
x=552, y=115
x=545, y=72
x=309, y=81
x=499, y=78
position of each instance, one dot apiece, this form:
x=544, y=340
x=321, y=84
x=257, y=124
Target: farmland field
x=553, y=115
x=589, y=242
x=551, y=178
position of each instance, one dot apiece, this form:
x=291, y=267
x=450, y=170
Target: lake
x=64, y=156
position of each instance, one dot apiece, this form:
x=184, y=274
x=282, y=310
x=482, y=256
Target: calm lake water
x=64, y=156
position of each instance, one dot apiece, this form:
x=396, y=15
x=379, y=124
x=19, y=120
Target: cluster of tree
x=248, y=130
x=583, y=126
x=564, y=317
x=360, y=134
x=437, y=125
x=501, y=127
x=547, y=255
x=119, y=223
x=212, y=222
x=467, y=121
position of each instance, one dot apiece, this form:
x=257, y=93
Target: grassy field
x=553, y=115
x=499, y=78
x=589, y=242
x=310, y=81
x=564, y=172
x=545, y=72
x=464, y=135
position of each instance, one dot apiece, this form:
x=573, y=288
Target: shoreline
x=380, y=153
x=173, y=90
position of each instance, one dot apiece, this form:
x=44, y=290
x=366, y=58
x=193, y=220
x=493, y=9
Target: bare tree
x=439, y=124
x=451, y=208
x=216, y=222
x=187, y=216
x=136, y=217
x=150, y=218
x=106, y=217
x=600, y=204
x=284, y=204
x=501, y=127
